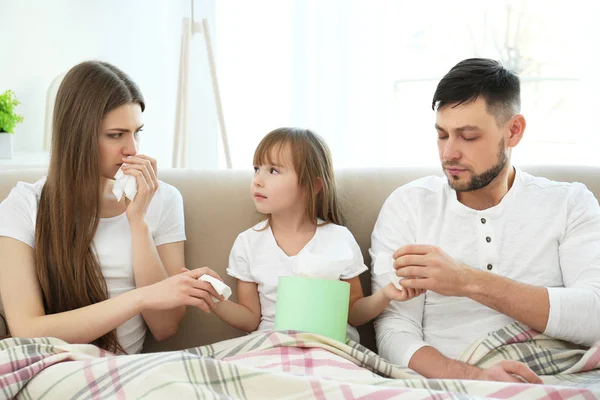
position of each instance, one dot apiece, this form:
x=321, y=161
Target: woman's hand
x=143, y=168
x=182, y=289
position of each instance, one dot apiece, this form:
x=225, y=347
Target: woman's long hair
x=67, y=266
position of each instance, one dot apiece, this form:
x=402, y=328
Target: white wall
x=362, y=73
x=42, y=39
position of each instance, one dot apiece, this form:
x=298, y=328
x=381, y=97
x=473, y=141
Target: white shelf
x=26, y=160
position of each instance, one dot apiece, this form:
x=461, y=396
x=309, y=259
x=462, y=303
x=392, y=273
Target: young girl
x=294, y=188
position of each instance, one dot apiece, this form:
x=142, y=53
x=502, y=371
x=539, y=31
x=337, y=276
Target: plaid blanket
x=286, y=365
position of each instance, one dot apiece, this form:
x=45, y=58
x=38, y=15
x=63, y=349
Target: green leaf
x=8, y=117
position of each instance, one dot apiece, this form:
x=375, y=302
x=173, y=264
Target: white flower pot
x=6, y=145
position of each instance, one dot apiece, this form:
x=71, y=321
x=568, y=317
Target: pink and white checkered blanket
x=286, y=365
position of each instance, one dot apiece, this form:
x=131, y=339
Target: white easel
x=181, y=111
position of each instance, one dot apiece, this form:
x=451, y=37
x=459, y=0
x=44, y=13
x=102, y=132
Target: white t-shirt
x=256, y=257
x=542, y=233
x=112, y=242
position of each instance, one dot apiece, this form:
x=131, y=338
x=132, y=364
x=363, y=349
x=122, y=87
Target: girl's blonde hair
x=311, y=160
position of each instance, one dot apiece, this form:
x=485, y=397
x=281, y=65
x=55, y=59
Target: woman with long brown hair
x=78, y=264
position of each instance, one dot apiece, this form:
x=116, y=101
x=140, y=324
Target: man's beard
x=481, y=180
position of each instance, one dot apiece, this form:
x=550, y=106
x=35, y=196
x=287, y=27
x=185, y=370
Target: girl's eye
x=470, y=139
x=442, y=137
x=115, y=135
x=274, y=171
x=255, y=169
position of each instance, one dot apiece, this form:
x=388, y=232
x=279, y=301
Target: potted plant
x=8, y=120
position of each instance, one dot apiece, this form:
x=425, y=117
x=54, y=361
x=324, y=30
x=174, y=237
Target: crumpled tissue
x=384, y=265
x=219, y=286
x=124, y=184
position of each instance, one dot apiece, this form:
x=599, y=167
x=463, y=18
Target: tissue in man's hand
x=328, y=266
x=384, y=265
x=219, y=286
x=126, y=184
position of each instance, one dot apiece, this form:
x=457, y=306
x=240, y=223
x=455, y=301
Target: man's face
x=471, y=144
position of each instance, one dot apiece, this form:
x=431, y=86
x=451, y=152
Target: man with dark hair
x=490, y=243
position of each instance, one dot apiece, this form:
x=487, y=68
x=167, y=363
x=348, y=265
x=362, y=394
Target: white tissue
x=219, y=286
x=384, y=265
x=327, y=266
x=126, y=184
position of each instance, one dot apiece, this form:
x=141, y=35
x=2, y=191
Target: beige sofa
x=218, y=206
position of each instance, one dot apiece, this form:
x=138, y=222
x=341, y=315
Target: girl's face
x=119, y=137
x=275, y=187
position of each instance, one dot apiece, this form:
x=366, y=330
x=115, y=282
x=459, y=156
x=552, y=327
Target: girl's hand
x=182, y=289
x=392, y=293
x=143, y=168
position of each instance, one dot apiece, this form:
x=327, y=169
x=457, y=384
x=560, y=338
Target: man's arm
x=574, y=309
x=529, y=304
x=430, y=363
x=440, y=273
x=525, y=303
x=399, y=339
x=398, y=328
x=430, y=268
x=568, y=313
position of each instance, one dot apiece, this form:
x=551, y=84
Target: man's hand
x=508, y=371
x=430, y=268
x=430, y=363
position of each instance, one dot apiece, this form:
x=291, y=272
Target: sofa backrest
x=218, y=206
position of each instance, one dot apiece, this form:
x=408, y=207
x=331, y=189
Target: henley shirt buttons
x=488, y=239
x=489, y=267
x=483, y=220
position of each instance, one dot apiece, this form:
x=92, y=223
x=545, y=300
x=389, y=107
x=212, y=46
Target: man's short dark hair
x=480, y=77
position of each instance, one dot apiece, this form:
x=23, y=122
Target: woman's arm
x=151, y=265
x=22, y=300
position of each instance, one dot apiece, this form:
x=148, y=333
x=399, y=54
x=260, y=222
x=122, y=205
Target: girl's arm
x=22, y=299
x=363, y=309
x=244, y=316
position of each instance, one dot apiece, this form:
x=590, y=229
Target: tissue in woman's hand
x=219, y=286
x=384, y=265
x=326, y=266
x=126, y=184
